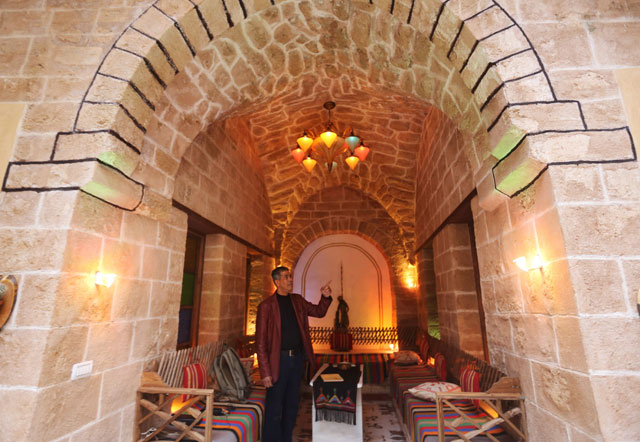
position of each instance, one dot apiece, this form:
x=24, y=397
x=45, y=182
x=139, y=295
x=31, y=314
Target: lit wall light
x=526, y=265
x=411, y=276
x=105, y=279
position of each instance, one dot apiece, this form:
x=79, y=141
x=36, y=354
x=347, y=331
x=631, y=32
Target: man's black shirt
x=291, y=337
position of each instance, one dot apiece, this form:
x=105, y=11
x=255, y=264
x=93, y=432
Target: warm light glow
x=361, y=152
x=431, y=361
x=309, y=163
x=352, y=161
x=298, y=154
x=525, y=265
x=176, y=404
x=105, y=279
x=328, y=137
x=305, y=142
x=411, y=277
x=255, y=359
x=488, y=409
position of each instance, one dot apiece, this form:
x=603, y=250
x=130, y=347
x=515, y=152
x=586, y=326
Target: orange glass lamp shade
x=298, y=154
x=361, y=152
x=352, y=161
x=105, y=279
x=305, y=142
x=328, y=137
x=309, y=163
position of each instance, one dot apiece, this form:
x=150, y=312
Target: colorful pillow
x=470, y=381
x=406, y=357
x=194, y=375
x=440, y=367
x=428, y=390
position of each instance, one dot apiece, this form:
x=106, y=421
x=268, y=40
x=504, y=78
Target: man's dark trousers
x=281, y=408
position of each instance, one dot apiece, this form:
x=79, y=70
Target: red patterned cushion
x=428, y=390
x=470, y=381
x=440, y=367
x=194, y=375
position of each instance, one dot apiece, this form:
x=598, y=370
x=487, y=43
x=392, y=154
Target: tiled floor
x=380, y=420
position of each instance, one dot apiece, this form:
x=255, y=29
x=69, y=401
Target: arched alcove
x=357, y=270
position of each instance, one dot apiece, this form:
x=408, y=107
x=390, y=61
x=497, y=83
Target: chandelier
x=329, y=146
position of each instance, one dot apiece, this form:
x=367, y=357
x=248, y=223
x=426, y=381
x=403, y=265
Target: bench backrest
x=171, y=362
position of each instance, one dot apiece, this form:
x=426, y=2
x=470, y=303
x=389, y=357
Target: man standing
x=282, y=336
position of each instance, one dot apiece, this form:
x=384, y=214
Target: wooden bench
x=455, y=415
x=194, y=418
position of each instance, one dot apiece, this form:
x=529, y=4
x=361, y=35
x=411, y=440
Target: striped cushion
x=440, y=367
x=193, y=376
x=470, y=381
x=423, y=348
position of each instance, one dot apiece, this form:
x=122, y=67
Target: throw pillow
x=406, y=357
x=194, y=375
x=428, y=390
x=470, y=381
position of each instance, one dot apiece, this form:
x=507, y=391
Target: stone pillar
x=222, y=305
x=260, y=286
x=456, y=289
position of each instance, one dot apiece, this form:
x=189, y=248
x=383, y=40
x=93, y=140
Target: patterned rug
x=380, y=420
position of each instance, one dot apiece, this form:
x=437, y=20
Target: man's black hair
x=275, y=274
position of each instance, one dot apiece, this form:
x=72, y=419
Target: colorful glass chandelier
x=328, y=146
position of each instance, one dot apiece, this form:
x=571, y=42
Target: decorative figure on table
x=341, y=339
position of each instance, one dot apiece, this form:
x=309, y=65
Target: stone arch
x=494, y=80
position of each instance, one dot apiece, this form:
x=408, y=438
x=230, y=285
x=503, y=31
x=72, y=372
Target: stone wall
x=427, y=296
x=456, y=289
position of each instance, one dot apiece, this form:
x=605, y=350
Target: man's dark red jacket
x=269, y=333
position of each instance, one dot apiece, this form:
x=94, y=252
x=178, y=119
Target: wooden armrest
x=175, y=390
x=479, y=396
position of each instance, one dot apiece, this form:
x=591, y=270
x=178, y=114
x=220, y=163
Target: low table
x=376, y=365
x=325, y=431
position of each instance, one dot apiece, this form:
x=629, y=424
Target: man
x=282, y=336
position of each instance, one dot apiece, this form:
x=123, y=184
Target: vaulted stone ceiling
x=390, y=123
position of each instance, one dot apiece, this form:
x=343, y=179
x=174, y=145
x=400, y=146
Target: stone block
x=21, y=89
x=542, y=425
x=176, y=267
x=145, y=339
x=185, y=13
x=580, y=146
x=16, y=356
x=489, y=198
x=552, y=41
x=631, y=270
x=82, y=254
x=13, y=52
x=169, y=334
x=567, y=395
x=549, y=291
x=19, y=209
x=155, y=263
x=600, y=230
x=35, y=303
x=146, y=47
x=122, y=258
x=528, y=89
x=622, y=181
x=507, y=294
x=605, y=113
x=576, y=183
x=29, y=243
x=550, y=237
x=584, y=83
x=521, y=368
x=104, y=430
x=165, y=299
x=614, y=44
x=598, y=285
x=109, y=344
x=113, y=187
x=65, y=347
x=79, y=398
x=534, y=337
x=571, y=351
x=17, y=414
x=93, y=117
x=528, y=204
x=600, y=333
x=139, y=229
x=499, y=334
x=131, y=300
x=617, y=405
x=79, y=301
x=67, y=88
x=119, y=387
x=91, y=214
x=49, y=117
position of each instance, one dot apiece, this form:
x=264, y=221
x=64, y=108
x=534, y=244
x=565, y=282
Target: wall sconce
x=105, y=279
x=534, y=263
x=8, y=293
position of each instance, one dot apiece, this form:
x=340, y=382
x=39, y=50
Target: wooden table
x=324, y=431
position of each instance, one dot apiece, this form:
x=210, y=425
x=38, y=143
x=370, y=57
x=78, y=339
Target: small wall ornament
x=8, y=292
